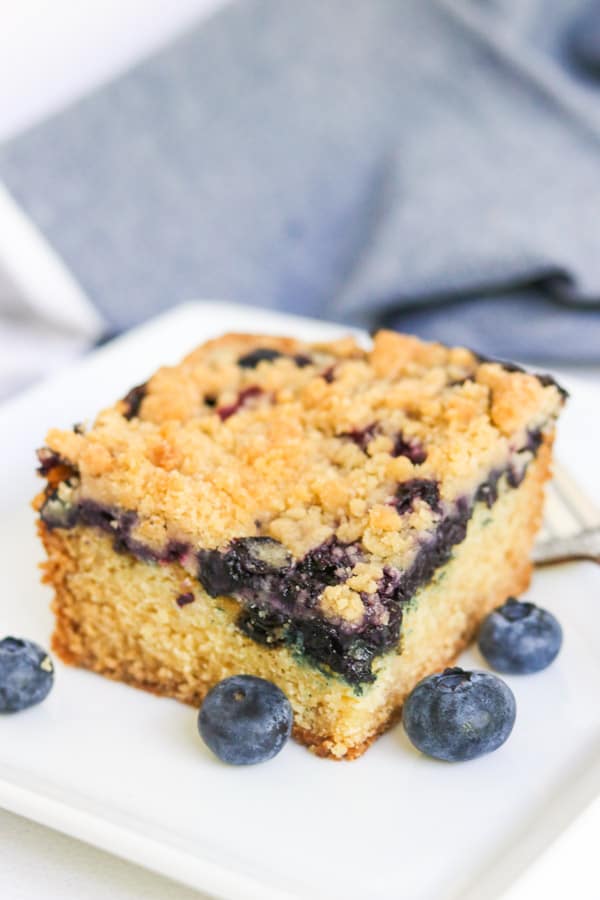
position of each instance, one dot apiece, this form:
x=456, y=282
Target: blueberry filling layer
x=260, y=571
x=336, y=646
x=280, y=595
x=417, y=489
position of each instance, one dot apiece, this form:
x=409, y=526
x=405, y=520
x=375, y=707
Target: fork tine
x=545, y=533
x=571, y=527
x=577, y=502
x=558, y=517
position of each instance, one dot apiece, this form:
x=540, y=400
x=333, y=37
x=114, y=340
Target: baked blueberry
x=302, y=360
x=409, y=447
x=244, y=564
x=417, y=489
x=26, y=674
x=245, y=720
x=49, y=460
x=134, y=399
x=362, y=437
x=487, y=492
x=247, y=394
x=459, y=715
x=264, y=627
x=261, y=354
x=57, y=512
x=520, y=638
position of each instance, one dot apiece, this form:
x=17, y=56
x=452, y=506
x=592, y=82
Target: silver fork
x=571, y=528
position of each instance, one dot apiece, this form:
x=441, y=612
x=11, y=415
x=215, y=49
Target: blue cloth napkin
x=423, y=164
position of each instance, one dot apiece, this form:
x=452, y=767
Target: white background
x=52, y=51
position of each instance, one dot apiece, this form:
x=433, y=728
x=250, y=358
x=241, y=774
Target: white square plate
x=127, y=772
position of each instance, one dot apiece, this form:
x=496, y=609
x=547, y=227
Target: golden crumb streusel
x=258, y=435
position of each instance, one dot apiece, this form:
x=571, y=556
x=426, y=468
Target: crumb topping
x=261, y=436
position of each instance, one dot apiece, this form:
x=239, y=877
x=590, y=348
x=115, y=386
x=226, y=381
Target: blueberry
x=487, y=492
x=302, y=360
x=261, y=354
x=26, y=674
x=241, y=565
x=362, y=437
x=520, y=638
x=245, y=720
x=417, y=489
x=269, y=628
x=410, y=447
x=134, y=400
x=458, y=715
x=49, y=460
x=58, y=513
x=224, y=412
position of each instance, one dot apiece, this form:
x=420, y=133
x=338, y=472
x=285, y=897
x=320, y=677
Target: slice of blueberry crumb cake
x=336, y=520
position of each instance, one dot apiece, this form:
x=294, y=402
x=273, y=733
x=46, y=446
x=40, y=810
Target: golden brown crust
x=322, y=747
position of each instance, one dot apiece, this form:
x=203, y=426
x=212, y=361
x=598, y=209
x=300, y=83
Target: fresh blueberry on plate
x=245, y=720
x=520, y=638
x=26, y=674
x=458, y=715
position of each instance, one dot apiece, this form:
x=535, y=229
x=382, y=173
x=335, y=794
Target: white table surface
x=50, y=54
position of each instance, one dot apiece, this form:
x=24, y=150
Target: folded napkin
x=422, y=164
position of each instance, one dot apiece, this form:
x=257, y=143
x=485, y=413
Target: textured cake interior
x=120, y=616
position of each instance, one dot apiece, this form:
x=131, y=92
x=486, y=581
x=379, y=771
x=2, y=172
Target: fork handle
x=585, y=545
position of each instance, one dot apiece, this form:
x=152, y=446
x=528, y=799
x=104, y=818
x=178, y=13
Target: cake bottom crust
x=119, y=617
